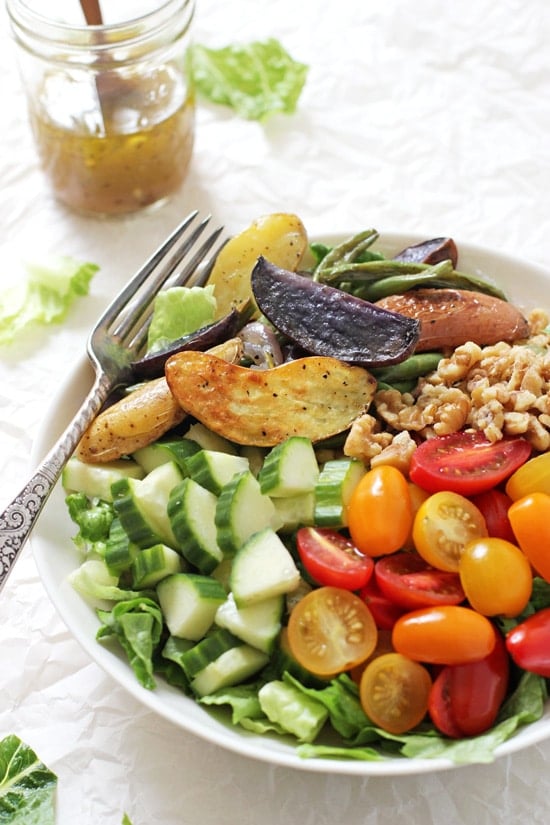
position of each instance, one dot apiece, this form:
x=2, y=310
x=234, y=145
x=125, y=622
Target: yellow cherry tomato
x=331, y=630
x=531, y=477
x=443, y=525
x=496, y=577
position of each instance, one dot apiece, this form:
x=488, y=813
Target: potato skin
x=140, y=418
x=451, y=317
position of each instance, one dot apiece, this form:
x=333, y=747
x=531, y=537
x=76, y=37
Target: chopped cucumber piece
x=212, y=469
x=258, y=624
x=120, y=552
x=192, y=511
x=293, y=710
x=160, y=452
x=208, y=440
x=207, y=650
x=189, y=602
x=231, y=668
x=153, y=564
x=295, y=511
x=337, y=481
x=263, y=568
x=289, y=469
x=142, y=506
x=241, y=511
x=95, y=480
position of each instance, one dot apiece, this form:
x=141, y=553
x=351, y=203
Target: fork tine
x=145, y=292
x=113, y=310
x=195, y=270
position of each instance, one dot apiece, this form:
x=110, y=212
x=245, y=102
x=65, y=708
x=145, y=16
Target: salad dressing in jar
x=110, y=106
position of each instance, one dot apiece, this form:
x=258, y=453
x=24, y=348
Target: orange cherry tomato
x=379, y=514
x=418, y=497
x=331, y=630
x=443, y=525
x=530, y=520
x=394, y=692
x=445, y=635
x=496, y=577
x=531, y=477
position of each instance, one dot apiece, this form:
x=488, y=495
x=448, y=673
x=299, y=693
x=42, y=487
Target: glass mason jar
x=110, y=105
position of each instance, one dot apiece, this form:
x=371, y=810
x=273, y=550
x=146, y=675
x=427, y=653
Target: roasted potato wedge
x=315, y=397
x=279, y=237
x=133, y=422
x=141, y=417
x=451, y=317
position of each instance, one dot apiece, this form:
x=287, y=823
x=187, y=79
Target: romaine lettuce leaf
x=44, y=297
x=178, y=312
x=256, y=79
x=27, y=786
x=137, y=625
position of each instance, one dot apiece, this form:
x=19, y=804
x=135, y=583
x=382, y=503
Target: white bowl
x=525, y=283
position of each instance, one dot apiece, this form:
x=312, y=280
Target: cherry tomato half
x=379, y=513
x=494, y=505
x=384, y=611
x=496, y=577
x=332, y=559
x=394, y=692
x=528, y=643
x=466, y=463
x=442, y=527
x=530, y=520
x=465, y=699
x=445, y=635
x=409, y=581
x=331, y=630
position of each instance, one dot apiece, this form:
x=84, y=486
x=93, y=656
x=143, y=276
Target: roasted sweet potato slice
x=451, y=317
x=315, y=397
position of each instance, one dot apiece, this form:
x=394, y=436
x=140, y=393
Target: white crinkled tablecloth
x=427, y=116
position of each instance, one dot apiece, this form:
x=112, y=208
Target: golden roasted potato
x=133, y=422
x=141, y=417
x=281, y=238
x=315, y=397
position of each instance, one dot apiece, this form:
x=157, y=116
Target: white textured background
x=425, y=116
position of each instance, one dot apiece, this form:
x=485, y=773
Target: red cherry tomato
x=466, y=463
x=528, y=643
x=409, y=581
x=493, y=505
x=385, y=612
x=465, y=699
x=332, y=559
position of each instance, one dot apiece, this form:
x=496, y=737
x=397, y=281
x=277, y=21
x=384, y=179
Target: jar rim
x=32, y=26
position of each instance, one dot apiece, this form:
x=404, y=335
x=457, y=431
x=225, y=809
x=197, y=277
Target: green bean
x=348, y=251
x=410, y=369
x=400, y=386
x=374, y=280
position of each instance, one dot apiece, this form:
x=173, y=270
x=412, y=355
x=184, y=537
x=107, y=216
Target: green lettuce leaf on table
x=44, y=297
x=255, y=79
x=27, y=786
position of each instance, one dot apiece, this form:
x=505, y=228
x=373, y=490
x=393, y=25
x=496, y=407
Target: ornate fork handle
x=20, y=516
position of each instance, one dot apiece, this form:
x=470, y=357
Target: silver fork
x=186, y=256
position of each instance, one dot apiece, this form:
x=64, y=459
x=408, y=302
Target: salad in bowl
x=318, y=516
